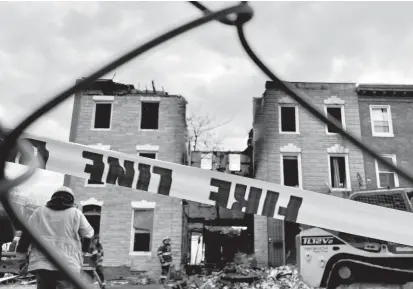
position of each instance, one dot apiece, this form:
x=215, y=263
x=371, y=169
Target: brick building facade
x=386, y=124
x=147, y=123
x=293, y=148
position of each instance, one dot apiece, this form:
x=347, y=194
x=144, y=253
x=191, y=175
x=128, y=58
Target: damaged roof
x=109, y=87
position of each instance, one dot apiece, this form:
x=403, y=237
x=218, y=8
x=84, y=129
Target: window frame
x=390, y=122
x=96, y=102
x=148, y=152
x=343, y=116
x=136, y=206
x=347, y=168
x=396, y=177
x=141, y=114
x=297, y=118
x=240, y=162
x=211, y=159
x=300, y=174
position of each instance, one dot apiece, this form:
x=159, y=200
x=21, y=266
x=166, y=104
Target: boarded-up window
x=235, y=162
x=206, y=161
x=143, y=230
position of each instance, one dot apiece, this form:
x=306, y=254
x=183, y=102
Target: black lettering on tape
x=166, y=180
x=221, y=197
x=291, y=212
x=116, y=172
x=270, y=203
x=250, y=205
x=96, y=169
x=144, y=177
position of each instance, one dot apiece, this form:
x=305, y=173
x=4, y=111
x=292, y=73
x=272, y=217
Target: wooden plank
x=8, y=278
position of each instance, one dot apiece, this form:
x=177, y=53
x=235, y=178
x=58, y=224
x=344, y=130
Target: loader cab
x=397, y=199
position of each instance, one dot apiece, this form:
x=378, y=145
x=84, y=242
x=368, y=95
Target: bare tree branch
x=201, y=135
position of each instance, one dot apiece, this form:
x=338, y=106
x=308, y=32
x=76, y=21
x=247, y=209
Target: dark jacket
x=165, y=255
x=96, y=250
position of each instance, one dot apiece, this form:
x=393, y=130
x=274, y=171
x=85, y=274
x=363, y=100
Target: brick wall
x=124, y=136
x=116, y=225
x=312, y=139
x=400, y=144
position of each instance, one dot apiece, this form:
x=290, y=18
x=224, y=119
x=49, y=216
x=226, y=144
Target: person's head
x=167, y=241
x=63, y=198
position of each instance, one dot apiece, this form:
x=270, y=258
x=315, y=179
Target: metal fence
x=235, y=16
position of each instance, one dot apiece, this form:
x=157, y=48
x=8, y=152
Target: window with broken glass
x=334, y=113
x=338, y=172
x=143, y=230
x=150, y=115
x=103, y=115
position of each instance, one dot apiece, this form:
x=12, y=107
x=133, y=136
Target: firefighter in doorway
x=165, y=256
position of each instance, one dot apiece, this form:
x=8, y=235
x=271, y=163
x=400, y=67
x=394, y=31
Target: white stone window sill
x=383, y=135
x=340, y=190
x=150, y=130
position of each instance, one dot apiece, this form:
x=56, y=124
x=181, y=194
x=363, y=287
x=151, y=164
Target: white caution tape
x=226, y=190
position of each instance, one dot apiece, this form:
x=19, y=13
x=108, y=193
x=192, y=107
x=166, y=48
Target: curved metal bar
x=241, y=17
x=244, y=13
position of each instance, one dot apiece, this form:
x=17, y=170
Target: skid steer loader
x=328, y=259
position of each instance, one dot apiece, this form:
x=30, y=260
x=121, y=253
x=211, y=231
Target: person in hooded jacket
x=62, y=226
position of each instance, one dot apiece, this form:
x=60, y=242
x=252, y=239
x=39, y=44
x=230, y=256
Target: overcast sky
x=45, y=46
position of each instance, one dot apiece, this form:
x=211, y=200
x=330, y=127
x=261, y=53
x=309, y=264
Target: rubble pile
x=243, y=273
x=285, y=277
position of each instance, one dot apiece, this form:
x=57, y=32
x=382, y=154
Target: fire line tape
x=226, y=190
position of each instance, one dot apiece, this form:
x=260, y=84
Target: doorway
x=92, y=214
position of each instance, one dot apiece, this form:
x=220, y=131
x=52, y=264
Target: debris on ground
x=243, y=273
x=284, y=277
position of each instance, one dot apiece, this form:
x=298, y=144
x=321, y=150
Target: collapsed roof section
x=109, y=87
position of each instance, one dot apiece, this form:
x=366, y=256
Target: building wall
x=312, y=140
x=400, y=144
x=124, y=136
